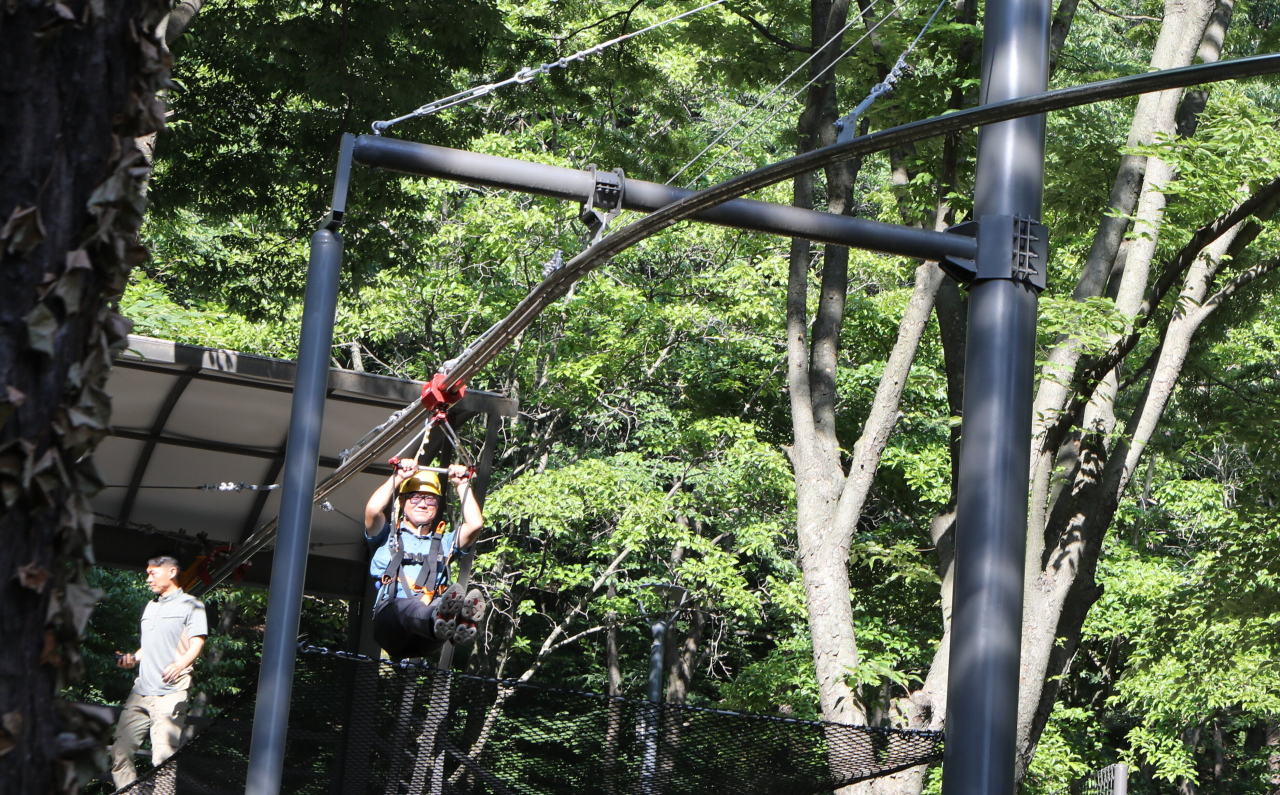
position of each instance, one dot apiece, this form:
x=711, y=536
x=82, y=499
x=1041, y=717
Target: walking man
x=173, y=634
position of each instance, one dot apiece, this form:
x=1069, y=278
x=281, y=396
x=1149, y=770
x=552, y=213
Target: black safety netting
x=360, y=726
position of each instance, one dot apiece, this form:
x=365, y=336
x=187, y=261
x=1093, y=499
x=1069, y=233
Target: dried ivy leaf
x=88, y=480
x=24, y=230
x=33, y=576
x=42, y=327
x=78, y=260
x=117, y=326
x=80, y=600
x=70, y=290
x=9, y=402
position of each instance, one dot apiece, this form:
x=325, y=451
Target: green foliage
x=653, y=397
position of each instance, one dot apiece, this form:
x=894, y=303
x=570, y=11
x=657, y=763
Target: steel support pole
x=652, y=714
x=289, y=566
x=991, y=509
x=656, y=654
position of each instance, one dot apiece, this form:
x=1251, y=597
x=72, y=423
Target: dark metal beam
x=306, y=422
x=129, y=547
x=211, y=446
x=570, y=184
x=149, y=447
x=484, y=467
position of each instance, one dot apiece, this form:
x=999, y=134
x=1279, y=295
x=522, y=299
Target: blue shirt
x=413, y=545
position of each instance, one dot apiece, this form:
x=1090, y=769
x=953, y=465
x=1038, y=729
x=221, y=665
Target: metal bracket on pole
x=1009, y=247
x=338, y=207
x=605, y=202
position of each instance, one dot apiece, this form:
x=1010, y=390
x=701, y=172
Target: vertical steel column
x=657, y=653
x=651, y=717
x=991, y=510
x=289, y=566
x=1121, y=784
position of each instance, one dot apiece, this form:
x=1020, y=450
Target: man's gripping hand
x=405, y=469
x=126, y=660
x=459, y=474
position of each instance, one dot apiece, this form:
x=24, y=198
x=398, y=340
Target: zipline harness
x=433, y=576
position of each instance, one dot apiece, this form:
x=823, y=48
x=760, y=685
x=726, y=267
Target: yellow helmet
x=423, y=481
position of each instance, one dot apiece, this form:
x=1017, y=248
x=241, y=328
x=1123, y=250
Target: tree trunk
x=614, y=728
x=81, y=78
x=1064, y=539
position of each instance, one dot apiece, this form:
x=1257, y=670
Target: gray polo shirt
x=168, y=625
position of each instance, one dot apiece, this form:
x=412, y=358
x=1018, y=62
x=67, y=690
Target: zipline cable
x=225, y=485
x=561, y=279
x=528, y=73
x=847, y=125
x=820, y=75
x=772, y=91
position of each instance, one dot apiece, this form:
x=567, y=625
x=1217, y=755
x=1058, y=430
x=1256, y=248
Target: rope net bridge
x=361, y=726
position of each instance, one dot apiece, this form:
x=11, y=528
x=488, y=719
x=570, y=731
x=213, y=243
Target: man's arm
x=184, y=661
x=373, y=511
x=128, y=660
x=472, y=517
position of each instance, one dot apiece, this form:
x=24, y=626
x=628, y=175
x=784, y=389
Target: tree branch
x=1129, y=17
x=1242, y=280
x=176, y=22
x=1090, y=373
x=770, y=35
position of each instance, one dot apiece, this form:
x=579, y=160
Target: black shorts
x=406, y=628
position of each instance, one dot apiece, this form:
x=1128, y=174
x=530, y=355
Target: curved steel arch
x=481, y=352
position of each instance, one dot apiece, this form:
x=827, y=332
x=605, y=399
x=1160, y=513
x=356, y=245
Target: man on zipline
x=417, y=609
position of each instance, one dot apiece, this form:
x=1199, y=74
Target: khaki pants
x=161, y=716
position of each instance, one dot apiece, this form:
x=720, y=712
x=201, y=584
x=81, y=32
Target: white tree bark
x=1181, y=34
x=1051, y=574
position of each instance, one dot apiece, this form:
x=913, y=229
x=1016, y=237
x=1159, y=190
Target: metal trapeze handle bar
x=558, y=283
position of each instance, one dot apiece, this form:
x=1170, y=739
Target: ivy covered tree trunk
x=80, y=83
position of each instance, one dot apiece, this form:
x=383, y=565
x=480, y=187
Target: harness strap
x=428, y=573
x=390, y=573
x=465, y=557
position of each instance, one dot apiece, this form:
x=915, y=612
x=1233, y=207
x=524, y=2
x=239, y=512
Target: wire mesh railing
x=364, y=727
x=1110, y=780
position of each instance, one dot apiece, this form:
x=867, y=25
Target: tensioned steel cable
x=561, y=279
x=834, y=38
x=225, y=485
x=897, y=68
x=528, y=73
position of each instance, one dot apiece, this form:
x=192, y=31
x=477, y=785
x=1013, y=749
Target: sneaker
x=451, y=600
x=464, y=634
x=473, y=606
x=445, y=627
